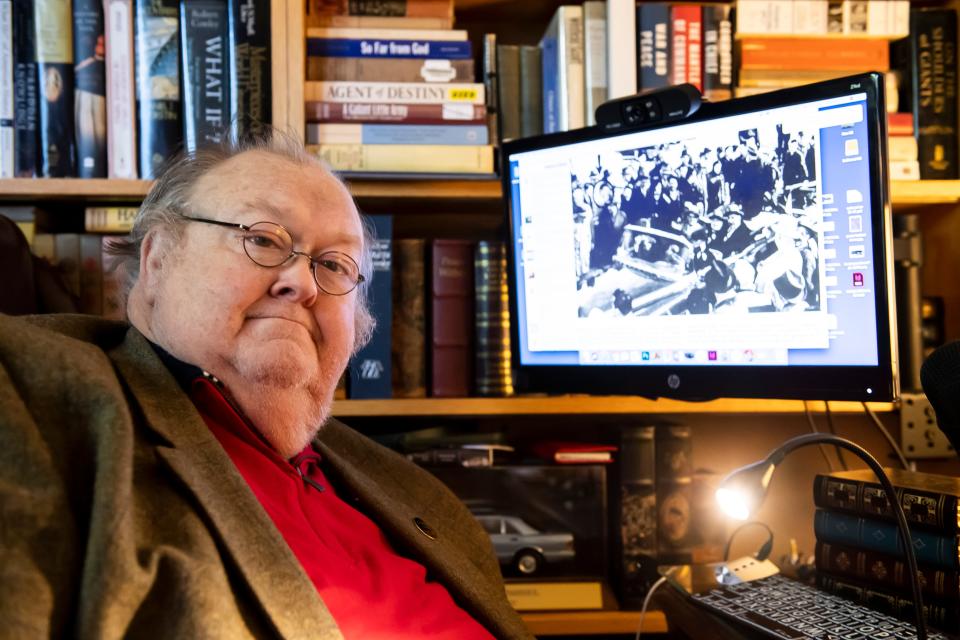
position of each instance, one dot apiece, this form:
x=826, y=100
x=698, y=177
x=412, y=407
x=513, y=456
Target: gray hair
x=169, y=198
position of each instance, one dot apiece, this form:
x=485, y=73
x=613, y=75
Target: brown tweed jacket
x=120, y=514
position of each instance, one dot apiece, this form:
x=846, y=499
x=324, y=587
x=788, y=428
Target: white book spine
x=394, y=92
x=347, y=33
x=595, y=57
x=621, y=48
x=570, y=45
x=765, y=16
x=810, y=17
x=121, y=105
x=6, y=89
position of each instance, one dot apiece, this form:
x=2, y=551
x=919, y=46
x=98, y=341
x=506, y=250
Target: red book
x=444, y=113
x=451, y=317
x=688, y=39
x=574, y=452
x=900, y=124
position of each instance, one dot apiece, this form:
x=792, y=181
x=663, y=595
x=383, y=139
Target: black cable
x=763, y=552
x=886, y=434
x=813, y=428
x=833, y=429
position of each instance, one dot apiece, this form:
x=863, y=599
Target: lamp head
x=742, y=491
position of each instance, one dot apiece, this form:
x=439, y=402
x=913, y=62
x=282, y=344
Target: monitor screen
x=742, y=252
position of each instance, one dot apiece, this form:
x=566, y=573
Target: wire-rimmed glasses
x=269, y=244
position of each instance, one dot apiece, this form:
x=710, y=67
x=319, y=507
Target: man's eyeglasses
x=270, y=245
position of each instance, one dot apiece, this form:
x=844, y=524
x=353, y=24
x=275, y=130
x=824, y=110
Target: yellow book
x=415, y=158
x=109, y=219
x=555, y=596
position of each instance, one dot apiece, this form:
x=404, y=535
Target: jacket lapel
x=388, y=493
x=194, y=455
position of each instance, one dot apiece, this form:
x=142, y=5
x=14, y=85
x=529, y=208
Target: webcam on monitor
x=649, y=109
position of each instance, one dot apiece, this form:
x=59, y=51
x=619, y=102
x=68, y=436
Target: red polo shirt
x=371, y=591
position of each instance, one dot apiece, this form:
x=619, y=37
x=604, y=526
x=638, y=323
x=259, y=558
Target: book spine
x=446, y=113
x=369, y=368
x=389, y=70
x=621, y=48
x=876, y=535
x=408, y=326
x=396, y=134
x=157, y=46
x=7, y=152
x=717, y=53
x=810, y=16
x=825, y=54
x=855, y=16
x=594, y=58
x=933, y=38
x=653, y=46
x=251, y=92
x=834, y=16
x=885, y=571
x=109, y=219
x=531, y=92
x=406, y=158
x=26, y=93
x=91, y=274
x=491, y=98
x=54, y=40
x=446, y=35
x=935, y=511
x=550, y=67
x=451, y=317
x=90, y=99
x=206, y=72
x=67, y=251
x=570, y=46
x=380, y=48
x=765, y=16
x=674, y=480
x=694, y=46
x=636, y=514
x=944, y=616
x=492, y=327
x=375, y=22
x=508, y=91
x=679, y=33
x=121, y=92
x=401, y=8
x=394, y=92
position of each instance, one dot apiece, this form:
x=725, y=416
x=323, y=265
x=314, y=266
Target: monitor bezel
x=691, y=382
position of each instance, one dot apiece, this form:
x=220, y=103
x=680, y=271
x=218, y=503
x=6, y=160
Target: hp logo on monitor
x=673, y=381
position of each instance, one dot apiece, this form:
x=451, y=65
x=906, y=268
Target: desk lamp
x=743, y=490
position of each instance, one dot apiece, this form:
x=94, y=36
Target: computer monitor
x=742, y=252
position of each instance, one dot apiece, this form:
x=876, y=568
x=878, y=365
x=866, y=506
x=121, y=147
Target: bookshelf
x=484, y=191
x=582, y=406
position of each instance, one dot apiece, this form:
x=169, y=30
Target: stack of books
x=113, y=88
x=386, y=95
x=859, y=551
x=902, y=148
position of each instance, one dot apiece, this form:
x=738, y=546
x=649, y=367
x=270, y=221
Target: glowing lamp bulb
x=733, y=503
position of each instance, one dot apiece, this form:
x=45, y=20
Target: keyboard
x=783, y=608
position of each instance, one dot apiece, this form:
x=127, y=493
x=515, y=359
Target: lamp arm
x=783, y=450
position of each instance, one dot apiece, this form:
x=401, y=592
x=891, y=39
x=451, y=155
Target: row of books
x=382, y=100
x=114, y=88
x=443, y=321
x=580, y=62
x=859, y=549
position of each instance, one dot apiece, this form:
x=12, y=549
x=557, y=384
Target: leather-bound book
x=451, y=317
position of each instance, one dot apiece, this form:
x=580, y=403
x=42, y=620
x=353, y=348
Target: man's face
x=266, y=327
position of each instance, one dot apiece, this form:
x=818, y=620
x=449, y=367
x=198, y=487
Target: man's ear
x=154, y=252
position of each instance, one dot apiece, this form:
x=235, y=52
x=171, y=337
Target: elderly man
x=182, y=477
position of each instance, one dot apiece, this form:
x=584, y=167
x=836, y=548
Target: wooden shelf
x=924, y=192
x=575, y=623
x=577, y=405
